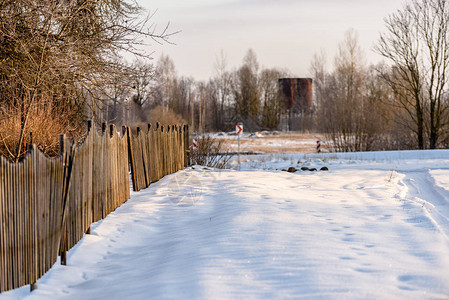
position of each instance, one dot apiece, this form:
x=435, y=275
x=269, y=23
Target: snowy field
x=271, y=142
x=375, y=226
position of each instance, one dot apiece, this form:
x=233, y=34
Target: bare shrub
x=45, y=124
x=165, y=116
x=210, y=153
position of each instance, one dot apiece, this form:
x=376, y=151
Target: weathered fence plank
x=3, y=275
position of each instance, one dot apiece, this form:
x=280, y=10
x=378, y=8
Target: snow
x=270, y=142
x=375, y=226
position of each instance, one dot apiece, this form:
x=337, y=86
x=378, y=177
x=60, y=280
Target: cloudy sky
x=283, y=33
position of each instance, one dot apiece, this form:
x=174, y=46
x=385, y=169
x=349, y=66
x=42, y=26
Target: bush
x=44, y=123
x=210, y=153
x=165, y=116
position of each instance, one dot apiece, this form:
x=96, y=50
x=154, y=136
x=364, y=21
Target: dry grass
x=210, y=152
x=44, y=123
x=165, y=116
x=291, y=142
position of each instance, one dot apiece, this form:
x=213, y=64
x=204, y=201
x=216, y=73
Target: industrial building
x=296, y=96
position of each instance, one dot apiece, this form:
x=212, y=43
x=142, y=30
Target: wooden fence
x=47, y=205
x=31, y=213
x=105, y=159
x=156, y=153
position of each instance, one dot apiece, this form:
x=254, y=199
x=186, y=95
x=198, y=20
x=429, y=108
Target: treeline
x=399, y=104
x=248, y=94
x=356, y=105
x=402, y=105
x=61, y=63
x=356, y=108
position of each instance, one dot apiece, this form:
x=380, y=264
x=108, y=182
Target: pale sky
x=283, y=33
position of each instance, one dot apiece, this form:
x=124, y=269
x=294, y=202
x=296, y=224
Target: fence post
x=151, y=146
x=167, y=151
x=158, y=151
x=131, y=157
x=186, y=145
x=62, y=150
x=179, y=149
x=111, y=130
x=33, y=286
x=89, y=127
x=32, y=221
x=163, y=151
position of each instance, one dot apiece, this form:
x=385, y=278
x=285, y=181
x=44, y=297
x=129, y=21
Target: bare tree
x=347, y=102
x=64, y=53
x=214, y=116
x=172, y=92
x=202, y=95
x=223, y=83
x=417, y=43
x=270, y=97
x=166, y=77
x=141, y=78
x=246, y=90
x=118, y=96
x=183, y=94
x=319, y=73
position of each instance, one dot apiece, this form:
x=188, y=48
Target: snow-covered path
x=423, y=188
x=361, y=233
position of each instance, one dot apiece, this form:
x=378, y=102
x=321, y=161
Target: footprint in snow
x=346, y=258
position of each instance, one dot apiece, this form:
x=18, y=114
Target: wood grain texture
x=47, y=205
